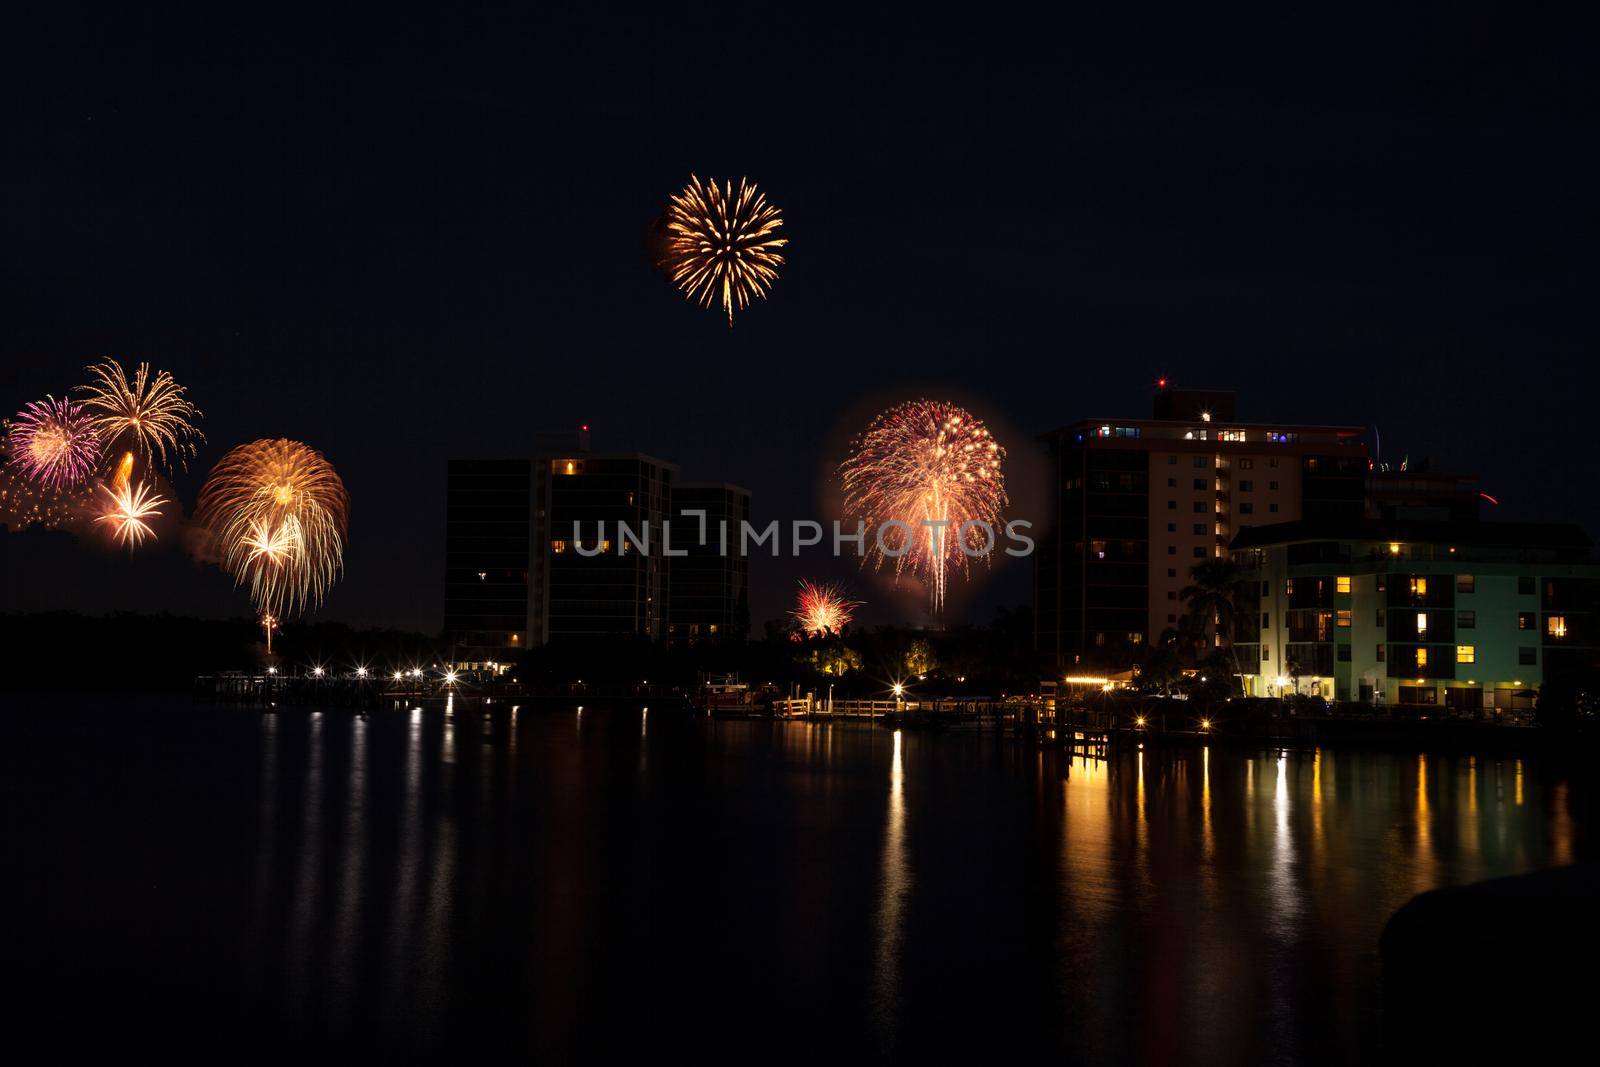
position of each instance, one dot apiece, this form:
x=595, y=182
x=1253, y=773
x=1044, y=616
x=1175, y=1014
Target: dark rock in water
x=1503, y=966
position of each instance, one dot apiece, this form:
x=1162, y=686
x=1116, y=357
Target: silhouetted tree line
x=69, y=652
x=990, y=658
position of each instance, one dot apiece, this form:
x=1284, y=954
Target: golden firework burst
x=128, y=511
x=721, y=244
x=934, y=469
x=276, y=514
x=149, y=413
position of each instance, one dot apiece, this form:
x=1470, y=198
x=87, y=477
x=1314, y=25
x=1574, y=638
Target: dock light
x=1205, y=724
x=416, y=672
x=1281, y=681
x=272, y=670
x=899, y=690
x=1139, y=721
x=361, y=672
x=316, y=672
x=449, y=677
x=399, y=675
x=1394, y=548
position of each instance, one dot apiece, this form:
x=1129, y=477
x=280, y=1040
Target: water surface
x=431, y=884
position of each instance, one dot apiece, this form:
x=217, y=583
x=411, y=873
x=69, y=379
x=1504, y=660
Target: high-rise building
x=603, y=573
x=1136, y=503
x=567, y=544
x=1467, y=615
x=710, y=582
x=488, y=549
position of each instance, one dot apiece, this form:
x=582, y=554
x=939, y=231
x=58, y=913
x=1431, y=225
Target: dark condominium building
x=1465, y=614
x=1135, y=503
x=567, y=544
x=710, y=582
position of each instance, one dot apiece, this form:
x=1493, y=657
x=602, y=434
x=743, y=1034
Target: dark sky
x=401, y=237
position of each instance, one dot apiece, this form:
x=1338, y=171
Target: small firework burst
x=55, y=443
x=25, y=503
x=128, y=512
x=149, y=413
x=721, y=245
x=276, y=513
x=823, y=608
x=935, y=468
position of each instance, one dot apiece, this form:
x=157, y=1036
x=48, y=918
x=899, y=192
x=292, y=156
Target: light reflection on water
x=705, y=882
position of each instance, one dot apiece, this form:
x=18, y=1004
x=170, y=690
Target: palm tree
x=1216, y=591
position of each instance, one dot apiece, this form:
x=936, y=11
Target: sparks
x=128, y=512
x=150, y=414
x=936, y=468
x=276, y=514
x=823, y=608
x=720, y=245
x=55, y=443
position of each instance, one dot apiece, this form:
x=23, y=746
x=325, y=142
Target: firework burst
x=149, y=413
x=936, y=468
x=721, y=245
x=25, y=502
x=276, y=514
x=54, y=442
x=822, y=608
x=128, y=511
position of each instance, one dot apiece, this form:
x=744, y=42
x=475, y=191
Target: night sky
x=404, y=237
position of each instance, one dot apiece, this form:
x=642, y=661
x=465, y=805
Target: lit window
x=713, y=627
x=1419, y=587
x=1344, y=618
x=558, y=547
x=1466, y=654
x=1422, y=657
x=1465, y=583
x=1555, y=625
x=1422, y=622
x=1342, y=583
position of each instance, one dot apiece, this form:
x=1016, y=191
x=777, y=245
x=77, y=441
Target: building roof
x=1498, y=534
x=1148, y=423
x=728, y=486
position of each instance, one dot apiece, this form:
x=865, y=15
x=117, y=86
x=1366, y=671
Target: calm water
x=424, y=885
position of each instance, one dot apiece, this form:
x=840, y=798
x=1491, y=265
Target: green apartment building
x=1460, y=615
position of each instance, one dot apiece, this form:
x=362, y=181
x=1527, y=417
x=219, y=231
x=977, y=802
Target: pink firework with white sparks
x=55, y=443
x=935, y=467
x=823, y=608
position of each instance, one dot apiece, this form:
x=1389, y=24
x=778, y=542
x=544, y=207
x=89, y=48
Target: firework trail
x=927, y=462
x=54, y=443
x=276, y=515
x=722, y=245
x=823, y=608
x=128, y=511
x=150, y=413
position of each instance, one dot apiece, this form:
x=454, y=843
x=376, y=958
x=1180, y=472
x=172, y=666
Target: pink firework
x=823, y=609
x=933, y=469
x=55, y=442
